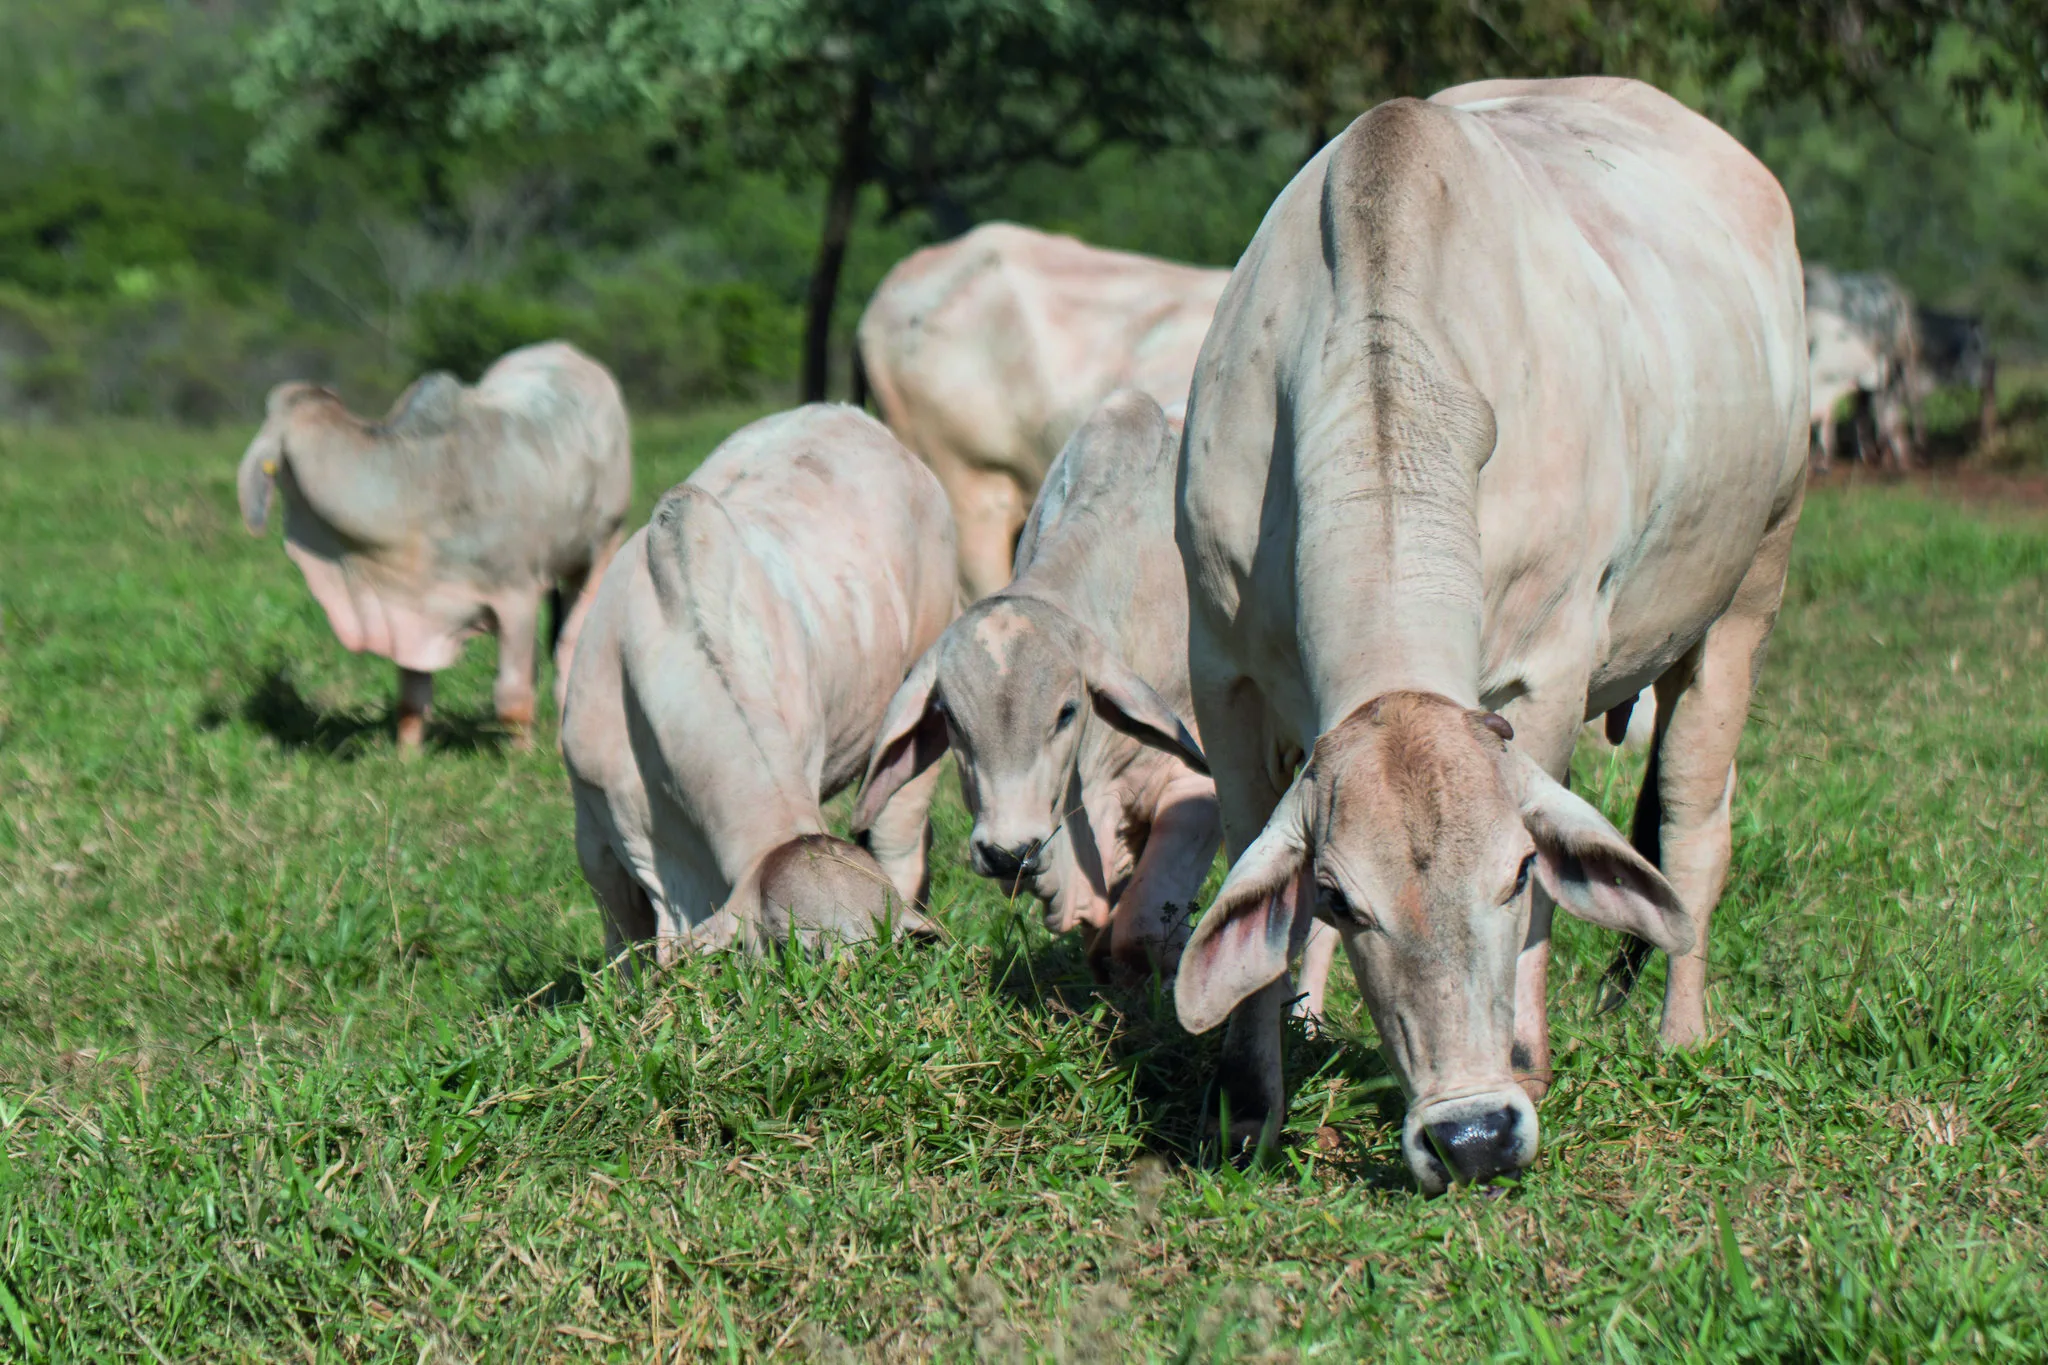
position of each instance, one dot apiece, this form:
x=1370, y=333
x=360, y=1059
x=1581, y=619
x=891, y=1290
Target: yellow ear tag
x=270, y=467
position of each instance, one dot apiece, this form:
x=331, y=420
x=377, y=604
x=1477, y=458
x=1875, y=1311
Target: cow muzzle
x=1010, y=864
x=1470, y=1139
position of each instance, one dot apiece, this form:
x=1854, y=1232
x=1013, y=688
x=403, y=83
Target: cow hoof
x=1686, y=1036
x=1249, y=1142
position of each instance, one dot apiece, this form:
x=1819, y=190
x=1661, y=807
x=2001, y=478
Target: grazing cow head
x=1414, y=830
x=821, y=891
x=1012, y=686
x=257, y=475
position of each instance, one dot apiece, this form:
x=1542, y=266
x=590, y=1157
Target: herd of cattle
x=1502, y=420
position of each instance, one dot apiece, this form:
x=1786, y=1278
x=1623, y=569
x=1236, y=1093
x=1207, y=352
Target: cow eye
x=1337, y=906
x=1066, y=716
x=1522, y=876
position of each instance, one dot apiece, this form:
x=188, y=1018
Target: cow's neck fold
x=1388, y=566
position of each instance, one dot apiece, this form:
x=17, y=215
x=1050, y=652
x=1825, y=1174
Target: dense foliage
x=203, y=198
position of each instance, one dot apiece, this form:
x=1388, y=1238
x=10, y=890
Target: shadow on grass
x=276, y=706
x=530, y=987
x=1173, y=1072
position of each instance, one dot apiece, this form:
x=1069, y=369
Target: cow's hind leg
x=1683, y=817
x=573, y=595
x=512, y=694
x=990, y=509
x=415, y=702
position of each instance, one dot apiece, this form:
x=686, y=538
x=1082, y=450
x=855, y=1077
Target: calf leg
x=1149, y=926
x=901, y=837
x=512, y=693
x=415, y=701
x=576, y=591
x=1317, y=953
x=1706, y=700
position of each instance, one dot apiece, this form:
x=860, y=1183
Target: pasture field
x=302, y=1055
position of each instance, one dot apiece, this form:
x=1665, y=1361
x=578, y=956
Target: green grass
x=300, y=1057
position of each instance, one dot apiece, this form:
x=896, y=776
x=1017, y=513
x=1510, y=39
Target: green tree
x=1331, y=59
x=1851, y=52
x=934, y=102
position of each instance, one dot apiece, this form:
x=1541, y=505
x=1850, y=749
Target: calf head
x=1012, y=686
x=1414, y=830
x=820, y=891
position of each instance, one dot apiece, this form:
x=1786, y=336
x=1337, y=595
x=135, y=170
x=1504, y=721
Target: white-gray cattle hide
x=1060, y=697
x=985, y=353
x=738, y=660
x=1502, y=420
x=453, y=515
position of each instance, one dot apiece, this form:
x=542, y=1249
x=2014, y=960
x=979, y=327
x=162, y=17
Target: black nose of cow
x=1479, y=1146
x=1007, y=863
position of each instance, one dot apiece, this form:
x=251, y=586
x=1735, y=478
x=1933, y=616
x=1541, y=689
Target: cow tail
x=1622, y=974
x=558, y=615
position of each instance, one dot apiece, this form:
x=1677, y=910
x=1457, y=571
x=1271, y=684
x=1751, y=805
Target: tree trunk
x=1987, y=404
x=840, y=200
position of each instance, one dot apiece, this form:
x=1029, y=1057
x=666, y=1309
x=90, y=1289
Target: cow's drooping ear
x=1128, y=703
x=258, y=475
x=1243, y=943
x=912, y=738
x=1592, y=871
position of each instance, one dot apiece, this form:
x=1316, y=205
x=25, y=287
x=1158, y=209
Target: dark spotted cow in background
x=1866, y=338
x=1861, y=339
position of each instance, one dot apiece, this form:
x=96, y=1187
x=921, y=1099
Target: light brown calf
x=732, y=675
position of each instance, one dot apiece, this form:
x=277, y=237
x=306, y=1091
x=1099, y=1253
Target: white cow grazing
x=453, y=515
x=736, y=664
x=985, y=353
x=1503, y=419
x=1047, y=690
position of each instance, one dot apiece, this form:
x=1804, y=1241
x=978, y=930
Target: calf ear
x=1243, y=943
x=1128, y=703
x=1594, y=873
x=912, y=738
x=258, y=475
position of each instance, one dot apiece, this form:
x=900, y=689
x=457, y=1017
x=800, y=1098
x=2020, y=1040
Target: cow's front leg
x=1547, y=725
x=512, y=693
x=1250, y=1079
x=415, y=701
